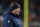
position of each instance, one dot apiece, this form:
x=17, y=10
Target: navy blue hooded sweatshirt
x=11, y=20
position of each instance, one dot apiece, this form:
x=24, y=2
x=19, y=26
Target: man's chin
x=18, y=14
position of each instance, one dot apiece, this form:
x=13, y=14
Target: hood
x=10, y=13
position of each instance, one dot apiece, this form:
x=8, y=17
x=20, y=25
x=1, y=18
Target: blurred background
x=34, y=13
x=6, y=4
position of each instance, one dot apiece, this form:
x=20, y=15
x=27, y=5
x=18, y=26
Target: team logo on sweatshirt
x=8, y=21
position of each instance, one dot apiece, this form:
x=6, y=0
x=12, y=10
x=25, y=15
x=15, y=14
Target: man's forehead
x=17, y=9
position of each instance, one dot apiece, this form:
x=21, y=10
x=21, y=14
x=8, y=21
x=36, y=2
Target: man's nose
x=19, y=10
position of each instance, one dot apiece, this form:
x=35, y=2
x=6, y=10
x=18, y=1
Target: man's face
x=16, y=11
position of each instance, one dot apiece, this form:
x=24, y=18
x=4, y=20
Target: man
x=11, y=17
